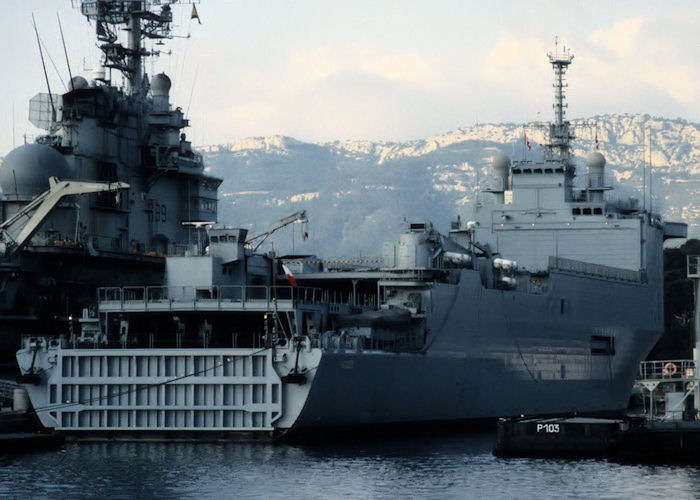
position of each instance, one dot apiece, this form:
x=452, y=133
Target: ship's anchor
x=31, y=377
x=294, y=377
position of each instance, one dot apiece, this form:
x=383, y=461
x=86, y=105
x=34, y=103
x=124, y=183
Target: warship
x=54, y=255
x=541, y=302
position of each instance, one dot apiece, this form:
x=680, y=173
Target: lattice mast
x=560, y=134
x=141, y=19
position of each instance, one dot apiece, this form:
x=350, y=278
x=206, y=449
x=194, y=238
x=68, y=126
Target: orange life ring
x=536, y=282
x=670, y=369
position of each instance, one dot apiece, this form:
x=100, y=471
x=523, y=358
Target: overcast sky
x=381, y=70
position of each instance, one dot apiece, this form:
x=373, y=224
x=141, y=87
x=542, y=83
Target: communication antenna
x=63, y=40
x=644, y=169
x=560, y=134
x=43, y=65
x=651, y=182
x=141, y=20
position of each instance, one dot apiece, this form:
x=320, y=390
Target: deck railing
x=577, y=266
x=209, y=295
x=669, y=369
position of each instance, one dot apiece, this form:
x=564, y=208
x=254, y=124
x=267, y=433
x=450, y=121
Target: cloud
x=635, y=64
x=639, y=64
x=315, y=65
x=621, y=38
x=637, y=54
x=327, y=92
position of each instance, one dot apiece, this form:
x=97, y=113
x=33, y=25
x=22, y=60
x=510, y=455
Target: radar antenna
x=560, y=133
x=141, y=19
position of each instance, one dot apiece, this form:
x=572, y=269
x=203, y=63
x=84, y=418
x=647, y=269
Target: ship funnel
x=160, y=88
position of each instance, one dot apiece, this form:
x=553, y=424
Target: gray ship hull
x=497, y=354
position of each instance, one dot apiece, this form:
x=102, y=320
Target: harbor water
x=444, y=466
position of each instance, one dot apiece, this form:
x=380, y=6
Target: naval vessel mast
x=101, y=131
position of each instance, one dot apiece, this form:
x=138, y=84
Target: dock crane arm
x=16, y=231
x=285, y=221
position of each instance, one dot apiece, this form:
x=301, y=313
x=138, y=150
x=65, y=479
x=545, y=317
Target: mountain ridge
x=358, y=190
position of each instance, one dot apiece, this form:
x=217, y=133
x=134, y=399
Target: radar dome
x=501, y=163
x=595, y=161
x=77, y=83
x=25, y=171
x=160, y=84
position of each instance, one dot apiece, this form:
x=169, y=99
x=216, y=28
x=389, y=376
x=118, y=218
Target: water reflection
x=446, y=466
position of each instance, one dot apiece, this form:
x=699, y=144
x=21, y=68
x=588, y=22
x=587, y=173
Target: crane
x=16, y=231
x=265, y=233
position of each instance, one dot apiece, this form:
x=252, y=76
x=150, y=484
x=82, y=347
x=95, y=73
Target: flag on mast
x=195, y=15
x=527, y=141
x=290, y=275
x=597, y=146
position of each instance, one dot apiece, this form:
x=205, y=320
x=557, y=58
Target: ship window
x=603, y=345
x=598, y=211
x=548, y=171
x=214, y=239
x=516, y=170
x=527, y=171
x=538, y=170
x=576, y=211
x=586, y=211
x=559, y=170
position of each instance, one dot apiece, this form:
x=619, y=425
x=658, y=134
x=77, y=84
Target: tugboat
x=543, y=302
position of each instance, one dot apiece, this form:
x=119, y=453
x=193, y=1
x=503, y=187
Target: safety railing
x=206, y=297
x=576, y=266
x=669, y=369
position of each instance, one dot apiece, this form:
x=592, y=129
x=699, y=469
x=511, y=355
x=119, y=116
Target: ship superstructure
x=102, y=131
x=551, y=294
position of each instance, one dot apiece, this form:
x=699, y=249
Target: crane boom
x=16, y=231
x=285, y=221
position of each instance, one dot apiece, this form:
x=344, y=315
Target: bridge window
x=586, y=211
x=576, y=211
x=598, y=211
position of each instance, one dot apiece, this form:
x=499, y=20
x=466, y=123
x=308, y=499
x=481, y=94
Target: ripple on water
x=458, y=466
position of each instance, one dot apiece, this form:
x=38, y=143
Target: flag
x=290, y=276
x=195, y=15
x=597, y=146
x=527, y=142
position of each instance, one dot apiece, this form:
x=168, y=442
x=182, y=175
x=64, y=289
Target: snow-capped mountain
x=358, y=192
